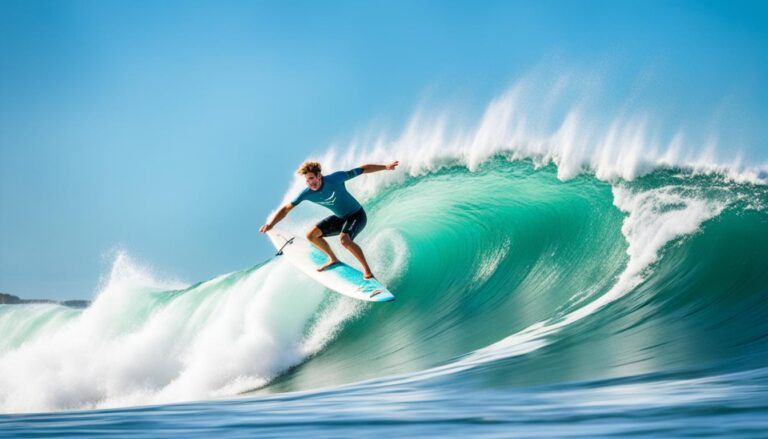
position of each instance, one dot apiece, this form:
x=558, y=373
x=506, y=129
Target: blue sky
x=171, y=129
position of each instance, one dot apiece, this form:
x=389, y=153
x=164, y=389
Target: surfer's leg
x=357, y=252
x=354, y=224
x=315, y=236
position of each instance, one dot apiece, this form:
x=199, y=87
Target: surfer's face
x=313, y=180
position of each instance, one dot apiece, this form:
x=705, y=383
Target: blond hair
x=308, y=167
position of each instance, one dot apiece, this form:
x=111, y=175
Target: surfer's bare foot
x=327, y=264
x=367, y=275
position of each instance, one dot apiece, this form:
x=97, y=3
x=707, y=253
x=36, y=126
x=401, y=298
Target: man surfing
x=348, y=218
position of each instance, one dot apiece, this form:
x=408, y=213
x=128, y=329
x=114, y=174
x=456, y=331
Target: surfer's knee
x=345, y=240
x=314, y=233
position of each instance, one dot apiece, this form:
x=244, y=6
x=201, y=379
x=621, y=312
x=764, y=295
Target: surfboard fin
x=280, y=252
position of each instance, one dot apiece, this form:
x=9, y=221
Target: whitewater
x=550, y=270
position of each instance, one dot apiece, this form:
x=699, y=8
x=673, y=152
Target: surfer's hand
x=265, y=228
x=393, y=165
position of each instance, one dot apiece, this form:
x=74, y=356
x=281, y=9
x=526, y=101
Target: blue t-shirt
x=333, y=193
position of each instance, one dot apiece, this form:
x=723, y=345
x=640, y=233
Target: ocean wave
x=505, y=269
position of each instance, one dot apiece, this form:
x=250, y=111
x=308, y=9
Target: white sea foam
x=329, y=322
x=554, y=121
x=141, y=344
x=490, y=261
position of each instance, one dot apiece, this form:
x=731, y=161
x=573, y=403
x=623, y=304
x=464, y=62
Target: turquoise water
x=526, y=305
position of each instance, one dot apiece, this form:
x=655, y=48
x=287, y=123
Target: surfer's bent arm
x=367, y=169
x=279, y=215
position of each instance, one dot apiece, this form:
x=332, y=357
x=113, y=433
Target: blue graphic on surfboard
x=339, y=277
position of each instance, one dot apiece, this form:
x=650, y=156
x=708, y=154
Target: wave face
x=505, y=275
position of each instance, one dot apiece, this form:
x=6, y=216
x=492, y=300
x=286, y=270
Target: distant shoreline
x=9, y=299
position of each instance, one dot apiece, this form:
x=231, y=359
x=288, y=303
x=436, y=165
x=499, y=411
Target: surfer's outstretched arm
x=279, y=215
x=367, y=169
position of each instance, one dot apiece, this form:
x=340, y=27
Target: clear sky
x=171, y=129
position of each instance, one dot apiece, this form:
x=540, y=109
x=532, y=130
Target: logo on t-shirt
x=330, y=200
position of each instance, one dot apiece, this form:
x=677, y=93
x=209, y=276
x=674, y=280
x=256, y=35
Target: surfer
x=348, y=218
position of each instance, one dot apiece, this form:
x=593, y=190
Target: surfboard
x=339, y=277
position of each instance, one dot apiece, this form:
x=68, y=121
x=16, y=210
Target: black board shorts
x=351, y=224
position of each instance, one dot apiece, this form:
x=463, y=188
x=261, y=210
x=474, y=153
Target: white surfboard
x=339, y=277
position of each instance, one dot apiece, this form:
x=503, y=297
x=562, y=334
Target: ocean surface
x=529, y=303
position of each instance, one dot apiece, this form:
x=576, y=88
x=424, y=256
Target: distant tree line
x=10, y=299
